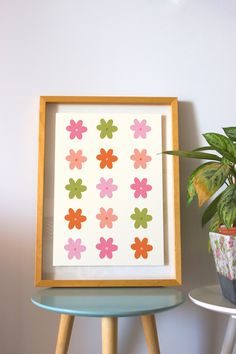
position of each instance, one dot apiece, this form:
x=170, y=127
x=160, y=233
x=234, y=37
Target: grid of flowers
x=106, y=187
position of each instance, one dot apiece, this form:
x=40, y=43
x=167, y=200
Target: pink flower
x=106, y=187
x=106, y=247
x=76, y=159
x=218, y=253
x=140, y=158
x=106, y=217
x=141, y=187
x=75, y=248
x=76, y=129
x=140, y=128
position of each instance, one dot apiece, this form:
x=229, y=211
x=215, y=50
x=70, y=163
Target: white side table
x=211, y=298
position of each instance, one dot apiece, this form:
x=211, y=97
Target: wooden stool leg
x=109, y=335
x=150, y=332
x=64, y=333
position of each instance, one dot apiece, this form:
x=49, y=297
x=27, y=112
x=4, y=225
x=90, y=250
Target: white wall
x=181, y=48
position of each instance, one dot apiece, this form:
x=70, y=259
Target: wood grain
x=150, y=332
x=64, y=334
x=109, y=335
x=41, y=153
x=176, y=192
x=39, y=278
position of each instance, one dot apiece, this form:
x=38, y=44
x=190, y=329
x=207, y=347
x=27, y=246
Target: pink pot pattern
x=224, y=252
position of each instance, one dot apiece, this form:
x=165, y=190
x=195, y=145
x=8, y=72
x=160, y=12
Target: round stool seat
x=107, y=302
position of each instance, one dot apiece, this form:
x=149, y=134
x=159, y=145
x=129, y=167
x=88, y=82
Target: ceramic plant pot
x=224, y=251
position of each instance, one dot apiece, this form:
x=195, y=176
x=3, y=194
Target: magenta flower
x=106, y=247
x=106, y=217
x=106, y=187
x=76, y=129
x=141, y=187
x=140, y=158
x=76, y=159
x=74, y=248
x=140, y=128
x=231, y=242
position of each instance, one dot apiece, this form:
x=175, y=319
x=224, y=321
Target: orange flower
x=141, y=247
x=75, y=218
x=107, y=158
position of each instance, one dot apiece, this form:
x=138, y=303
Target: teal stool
x=109, y=304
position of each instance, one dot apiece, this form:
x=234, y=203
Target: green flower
x=76, y=188
x=106, y=128
x=141, y=218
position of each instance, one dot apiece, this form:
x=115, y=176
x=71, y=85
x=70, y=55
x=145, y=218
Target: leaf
x=191, y=192
x=230, y=132
x=210, y=210
x=227, y=206
x=215, y=223
x=225, y=161
x=203, y=148
x=209, y=180
x=193, y=155
x=222, y=144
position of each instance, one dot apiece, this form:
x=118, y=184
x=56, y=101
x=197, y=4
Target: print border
x=40, y=278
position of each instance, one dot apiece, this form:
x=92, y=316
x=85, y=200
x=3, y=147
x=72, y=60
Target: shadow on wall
x=198, y=265
x=131, y=336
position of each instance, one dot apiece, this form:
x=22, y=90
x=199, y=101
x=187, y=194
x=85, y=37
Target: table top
x=107, y=302
x=211, y=298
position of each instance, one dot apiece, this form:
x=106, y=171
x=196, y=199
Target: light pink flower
x=106, y=217
x=222, y=240
x=140, y=158
x=141, y=187
x=76, y=159
x=74, y=248
x=140, y=128
x=106, y=187
x=106, y=247
x=218, y=253
x=76, y=129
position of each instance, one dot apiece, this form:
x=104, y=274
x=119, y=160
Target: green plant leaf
x=209, y=179
x=222, y=144
x=230, y=132
x=225, y=161
x=193, y=155
x=203, y=148
x=227, y=206
x=215, y=223
x=210, y=210
x=191, y=192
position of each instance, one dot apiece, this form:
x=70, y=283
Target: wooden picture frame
x=167, y=275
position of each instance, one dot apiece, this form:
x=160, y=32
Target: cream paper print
x=108, y=190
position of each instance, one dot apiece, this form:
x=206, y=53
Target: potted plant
x=214, y=181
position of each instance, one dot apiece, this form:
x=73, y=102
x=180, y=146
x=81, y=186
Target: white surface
x=168, y=270
x=128, y=47
x=230, y=335
x=211, y=298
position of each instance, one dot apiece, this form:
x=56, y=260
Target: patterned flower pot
x=224, y=252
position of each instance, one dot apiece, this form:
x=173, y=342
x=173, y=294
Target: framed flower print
x=108, y=200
